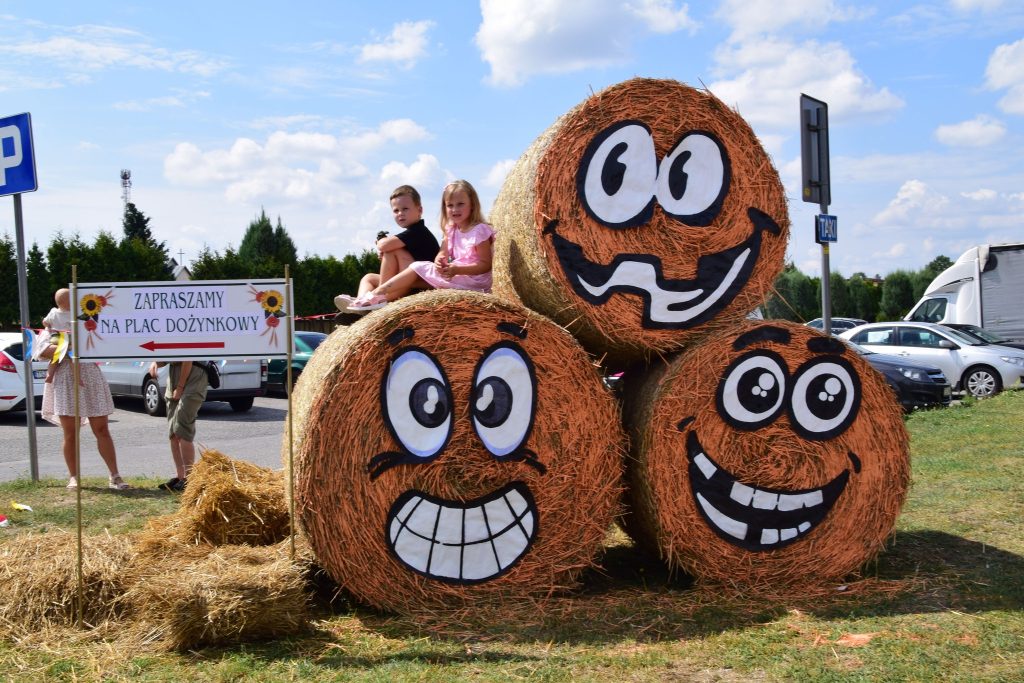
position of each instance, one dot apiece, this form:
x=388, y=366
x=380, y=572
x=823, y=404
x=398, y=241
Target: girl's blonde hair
x=476, y=213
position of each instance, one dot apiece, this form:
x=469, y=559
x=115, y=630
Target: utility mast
x=126, y=186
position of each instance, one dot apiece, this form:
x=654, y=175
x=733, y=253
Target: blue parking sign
x=17, y=158
x=826, y=228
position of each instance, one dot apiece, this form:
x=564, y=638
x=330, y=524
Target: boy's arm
x=389, y=243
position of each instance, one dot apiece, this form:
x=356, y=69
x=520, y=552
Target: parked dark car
x=838, y=324
x=917, y=385
x=984, y=335
x=305, y=345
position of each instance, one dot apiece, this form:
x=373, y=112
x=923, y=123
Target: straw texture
x=343, y=499
x=542, y=188
x=680, y=404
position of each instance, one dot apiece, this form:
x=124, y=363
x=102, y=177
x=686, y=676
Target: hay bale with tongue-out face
x=771, y=454
x=452, y=448
x=642, y=220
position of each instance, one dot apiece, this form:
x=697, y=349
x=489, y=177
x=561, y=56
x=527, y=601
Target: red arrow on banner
x=153, y=346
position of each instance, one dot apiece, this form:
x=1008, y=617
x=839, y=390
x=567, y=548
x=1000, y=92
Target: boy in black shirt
x=414, y=243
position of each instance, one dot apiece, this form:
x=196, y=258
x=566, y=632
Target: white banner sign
x=206, y=319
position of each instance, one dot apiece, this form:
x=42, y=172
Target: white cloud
x=426, y=171
x=914, y=203
x=761, y=78
x=181, y=99
x=980, y=131
x=982, y=195
x=1005, y=70
x=894, y=251
x=405, y=45
x=756, y=17
x=306, y=166
x=971, y=5
x=498, y=172
x=522, y=38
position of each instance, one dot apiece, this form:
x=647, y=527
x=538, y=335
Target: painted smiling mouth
x=668, y=304
x=756, y=518
x=465, y=543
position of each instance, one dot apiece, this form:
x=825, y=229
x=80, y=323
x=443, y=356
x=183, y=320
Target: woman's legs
x=104, y=441
x=67, y=425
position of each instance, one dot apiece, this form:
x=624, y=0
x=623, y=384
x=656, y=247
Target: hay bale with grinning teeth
x=698, y=240
x=768, y=455
x=452, y=448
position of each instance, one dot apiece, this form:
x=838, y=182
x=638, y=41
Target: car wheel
x=152, y=399
x=240, y=405
x=982, y=382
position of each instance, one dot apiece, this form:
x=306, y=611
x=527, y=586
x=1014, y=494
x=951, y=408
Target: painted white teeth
x=707, y=468
x=729, y=525
x=741, y=493
x=764, y=500
x=470, y=544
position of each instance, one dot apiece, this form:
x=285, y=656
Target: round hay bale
x=770, y=454
x=39, y=579
x=229, y=594
x=453, y=447
x=646, y=217
x=226, y=502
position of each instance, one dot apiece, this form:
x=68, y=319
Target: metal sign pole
x=291, y=415
x=30, y=398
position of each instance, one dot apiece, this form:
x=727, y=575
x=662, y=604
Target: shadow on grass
x=635, y=598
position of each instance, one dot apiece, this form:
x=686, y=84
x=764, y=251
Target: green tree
x=61, y=255
x=136, y=224
x=839, y=294
x=40, y=298
x=864, y=296
x=212, y=266
x=10, y=316
x=794, y=296
x=897, y=295
x=265, y=248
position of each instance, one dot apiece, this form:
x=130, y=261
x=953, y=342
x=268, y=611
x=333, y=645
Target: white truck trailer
x=984, y=287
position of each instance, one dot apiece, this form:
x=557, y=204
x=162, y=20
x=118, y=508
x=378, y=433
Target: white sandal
x=117, y=483
x=73, y=483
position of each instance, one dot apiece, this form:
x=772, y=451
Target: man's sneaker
x=178, y=485
x=170, y=484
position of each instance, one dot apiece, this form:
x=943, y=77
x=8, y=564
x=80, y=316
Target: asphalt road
x=141, y=440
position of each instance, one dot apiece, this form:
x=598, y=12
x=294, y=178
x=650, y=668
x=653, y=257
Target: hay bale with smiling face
x=643, y=219
x=452, y=448
x=770, y=455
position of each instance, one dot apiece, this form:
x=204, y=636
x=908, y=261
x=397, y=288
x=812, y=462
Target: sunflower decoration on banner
x=91, y=306
x=272, y=302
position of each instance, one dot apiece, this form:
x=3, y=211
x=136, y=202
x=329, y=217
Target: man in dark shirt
x=414, y=243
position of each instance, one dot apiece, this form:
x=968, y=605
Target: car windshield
x=983, y=334
x=309, y=340
x=963, y=337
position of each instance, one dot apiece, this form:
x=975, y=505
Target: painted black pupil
x=826, y=396
x=428, y=403
x=758, y=390
x=614, y=171
x=677, y=177
x=493, y=402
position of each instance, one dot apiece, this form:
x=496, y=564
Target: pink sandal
x=369, y=302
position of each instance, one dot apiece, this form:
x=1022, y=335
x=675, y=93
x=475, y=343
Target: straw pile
x=226, y=502
x=229, y=594
x=351, y=465
x=39, y=579
x=542, y=188
x=677, y=412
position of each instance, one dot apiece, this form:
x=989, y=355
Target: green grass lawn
x=945, y=602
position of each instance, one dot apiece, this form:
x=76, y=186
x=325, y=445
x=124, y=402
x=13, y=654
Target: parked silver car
x=241, y=381
x=973, y=366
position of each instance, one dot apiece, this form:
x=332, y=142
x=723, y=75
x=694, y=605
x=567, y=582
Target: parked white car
x=240, y=382
x=973, y=366
x=12, y=379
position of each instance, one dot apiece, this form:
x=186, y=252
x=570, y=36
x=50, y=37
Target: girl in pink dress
x=464, y=261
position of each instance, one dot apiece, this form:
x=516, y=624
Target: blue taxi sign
x=826, y=228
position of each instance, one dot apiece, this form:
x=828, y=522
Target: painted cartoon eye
x=617, y=175
x=752, y=390
x=504, y=396
x=693, y=179
x=417, y=403
x=826, y=397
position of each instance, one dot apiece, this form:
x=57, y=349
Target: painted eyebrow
x=761, y=334
x=400, y=335
x=826, y=345
x=517, y=331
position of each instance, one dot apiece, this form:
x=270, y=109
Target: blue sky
x=314, y=111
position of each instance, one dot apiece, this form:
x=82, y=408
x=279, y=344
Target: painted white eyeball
x=417, y=403
x=617, y=175
x=504, y=398
x=693, y=179
x=826, y=398
x=752, y=390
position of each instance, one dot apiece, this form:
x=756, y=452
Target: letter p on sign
x=10, y=150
